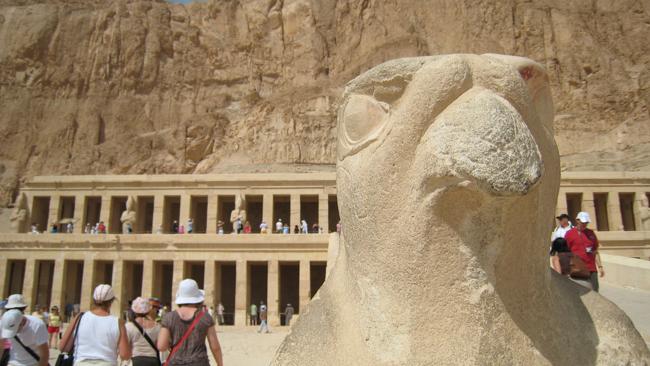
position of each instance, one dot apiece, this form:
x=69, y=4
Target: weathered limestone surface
x=461, y=149
x=143, y=86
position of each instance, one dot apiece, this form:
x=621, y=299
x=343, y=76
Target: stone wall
x=142, y=86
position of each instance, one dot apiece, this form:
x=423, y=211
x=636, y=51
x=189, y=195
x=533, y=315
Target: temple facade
x=141, y=254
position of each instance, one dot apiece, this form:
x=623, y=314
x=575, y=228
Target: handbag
x=579, y=268
x=187, y=334
x=67, y=358
x=147, y=338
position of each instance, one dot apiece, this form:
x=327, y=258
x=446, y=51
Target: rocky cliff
x=143, y=86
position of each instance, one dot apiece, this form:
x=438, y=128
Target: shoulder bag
x=147, y=338
x=66, y=358
x=187, y=334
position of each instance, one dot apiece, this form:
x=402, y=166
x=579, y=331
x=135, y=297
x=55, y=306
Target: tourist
x=263, y=227
x=296, y=229
x=181, y=229
x=100, y=337
x=263, y=318
x=69, y=228
x=279, y=226
x=34, y=229
x=129, y=228
x=190, y=225
x=220, y=227
x=220, y=310
x=253, y=320
x=288, y=314
x=247, y=228
x=190, y=323
x=142, y=332
x=285, y=229
x=54, y=327
x=155, y=308
x=87, y=228
x=563, y=226
x=101, y=228
x=584, y=244
x=16, y=301
x=315, y=229
x=561, y=257
x=96, y=228
x=238, y=226
x=54, y=229
x=159, y=230
x=28, y=336
x=338, y=227
x=304, y=227
x=5, y=345
x=175, y=227
x=38, y=313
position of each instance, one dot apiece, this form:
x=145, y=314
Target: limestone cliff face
x=142, y=86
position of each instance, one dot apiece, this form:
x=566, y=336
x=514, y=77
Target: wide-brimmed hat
x=103, y=293
x=15, y=301
x=10, y=323
x=141, y=306
x=189, y=293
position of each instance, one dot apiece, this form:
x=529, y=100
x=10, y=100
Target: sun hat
x=15, y=301
x=583, y=217
x=10, y=323
x=103, y=293
x=189, y=293
x=141, y=306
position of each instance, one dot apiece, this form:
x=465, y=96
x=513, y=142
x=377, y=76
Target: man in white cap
x=583, y=243
x=28, y=336
x=16, y=301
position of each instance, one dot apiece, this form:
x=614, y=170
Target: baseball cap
x=10, y=323
x=15, y=301
x=583, y=217
x=103, y=293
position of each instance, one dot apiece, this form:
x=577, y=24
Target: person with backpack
x=28, y=336
x=99, y=337
x=143, y=334
x=187, y=328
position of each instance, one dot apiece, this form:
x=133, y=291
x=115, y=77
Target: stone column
x=87, y=283
x=58, y=282
x=4, y=277
x=29, y=282
x=79, y=206
x=272, y=293
x=267, y=210
x=118, y=288
x=295, y=212
x=208, y=283
x=241, y=292
x=211, y=224
x=177, y=277
x=614, y=212
x=323, y=212
x=53, y=216
x=561, y=206
x=147, y=278
x=304, y=285
x=589, y=207
x=638, y=204
x=158, y=208
x=185, y=210
x=105, y=213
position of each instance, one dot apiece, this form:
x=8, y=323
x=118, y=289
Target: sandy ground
x=243, y=346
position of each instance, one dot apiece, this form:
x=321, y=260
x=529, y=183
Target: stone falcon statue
x=447, y=175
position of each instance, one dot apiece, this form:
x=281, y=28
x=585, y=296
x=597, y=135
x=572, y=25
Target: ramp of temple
x=235, y=269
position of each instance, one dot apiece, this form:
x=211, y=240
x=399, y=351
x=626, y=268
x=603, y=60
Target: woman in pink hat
x=100, y=337
x=143, y=334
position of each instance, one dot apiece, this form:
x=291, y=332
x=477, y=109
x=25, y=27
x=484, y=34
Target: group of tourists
x=97, y=338
x=574, y=251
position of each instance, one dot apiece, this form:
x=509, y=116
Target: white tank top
x=97, y=339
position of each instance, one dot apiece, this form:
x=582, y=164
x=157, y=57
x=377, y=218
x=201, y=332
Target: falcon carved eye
x=363, y=119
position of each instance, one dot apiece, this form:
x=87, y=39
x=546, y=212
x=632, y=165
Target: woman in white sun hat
x=143, y=333
x=100, y=335
x=187, y=329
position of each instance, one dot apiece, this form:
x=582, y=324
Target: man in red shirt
x=584, y=244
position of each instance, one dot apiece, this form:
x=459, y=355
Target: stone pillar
x=158, y=207
x=638, y=205
x=105, y=213
x=304, y=285
x=58, y=282
x=4, y=277
x=87, y=283
x=614, y=212
x=79, y=206
x=147, y=278
x=294, y=209
x=323, y=212
x=211, y=223
x=267, y=210
x=241, y=290
x=118, y=284
x=53, y=216
x=177, y=277
x=561, y=206
x=272, y=293
x=208, y=283
x=29, y=282
x=589, y=207
x=185, y=211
